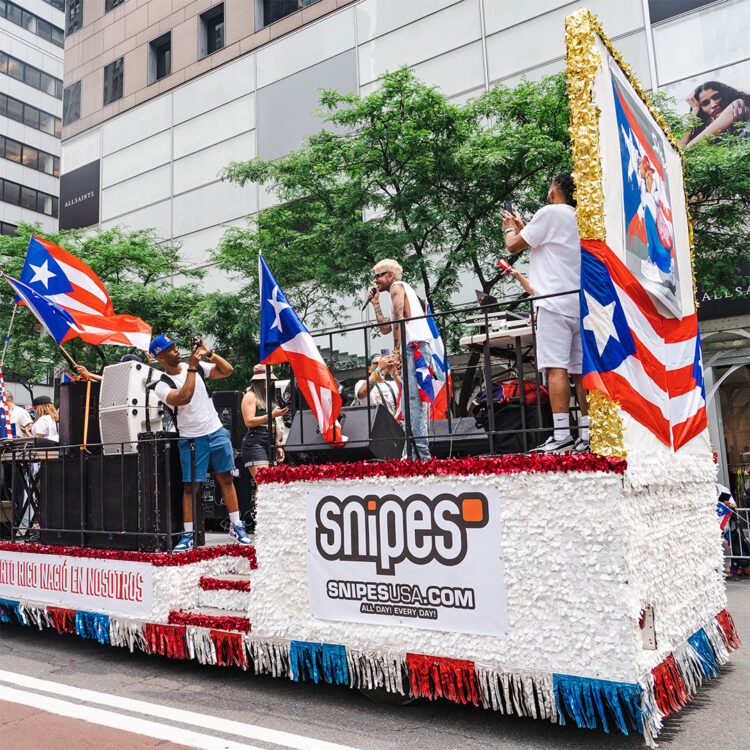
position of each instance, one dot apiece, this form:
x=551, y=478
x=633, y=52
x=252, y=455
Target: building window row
x=29, y=156
x=26, y=197
x=270, y=11
x=111, y=4
x=30, y=75
x=7, y=229
x=31, y=116
x=44, y=29
x=73, y=16
x=56, y=4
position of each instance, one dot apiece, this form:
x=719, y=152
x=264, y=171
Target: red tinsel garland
x=511, y=464
x=157, y=559
x=63, y=620
x=221, y=584
x=436, y=677
x=166, y=640
x=230, y=650
x=731, y=638
x=180, y=617
x=669, y=687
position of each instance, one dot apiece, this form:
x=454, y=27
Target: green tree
x=400, y=173
x=135, y=268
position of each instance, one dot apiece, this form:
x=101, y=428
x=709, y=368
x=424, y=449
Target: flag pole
x=67, y=356
x=7, y=335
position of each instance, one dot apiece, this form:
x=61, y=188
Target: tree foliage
x=401, y=173
x=135, y=268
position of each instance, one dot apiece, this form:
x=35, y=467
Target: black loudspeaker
x=385, y=441
x=508, y=417
x=160, y=490
x=228, y=405
x=213, y=503
x=461, y=438
x=113, y=502
x=72, y=413
x=63, y=500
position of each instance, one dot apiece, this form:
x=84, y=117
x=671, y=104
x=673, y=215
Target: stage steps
x=228, y=592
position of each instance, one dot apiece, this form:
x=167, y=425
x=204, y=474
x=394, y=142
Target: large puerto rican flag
x=649, y=363
x=68, y=283
x=284, y=338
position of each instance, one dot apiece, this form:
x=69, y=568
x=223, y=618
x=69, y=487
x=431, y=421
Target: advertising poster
x=423, y=559
x=112, y=586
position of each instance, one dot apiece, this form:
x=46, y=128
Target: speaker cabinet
x=213, y=503
x=228, y=406
x=125, y=407
x=461, y=438
x=384, y=440
x=73, y=413
x=63, y=499
x=112, y=513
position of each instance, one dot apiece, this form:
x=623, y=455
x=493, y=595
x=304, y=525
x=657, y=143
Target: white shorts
x=558, y=341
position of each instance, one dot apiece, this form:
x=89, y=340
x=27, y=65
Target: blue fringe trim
x=703, y=649
x=8, y=608
x=320, y=662
x=93, y=625
x=588, y=702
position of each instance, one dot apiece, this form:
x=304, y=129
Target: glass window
x=2, y=9
x=55, y=205
x=29, y=22
x=15, y=110
x=211, y=31
x=113, y=81
x=57, y=4
x=55, y=166
x=47, y=84
x=73, y=16
x=111, y=4
x=33, y=77
x=2, y=146
x=58, y=127
x=270, y=11
x=12, y=193
x=13, y=150
x=3, y=62
x=3, y=104
x=30, y=157
x=15, y=68
x=15, y=13
x=46, y=123
x=160, y=57
x=28, y=198
x=44, y=203
x=31, y=117
x=72, y=103
x=7, y=229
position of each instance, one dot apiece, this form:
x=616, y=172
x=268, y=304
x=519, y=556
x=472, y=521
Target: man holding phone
x=555, y=267
x=383, y=382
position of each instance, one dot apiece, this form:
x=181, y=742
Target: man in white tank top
x=406, y=304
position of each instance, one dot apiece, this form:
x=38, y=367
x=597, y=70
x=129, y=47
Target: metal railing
x=737, y=536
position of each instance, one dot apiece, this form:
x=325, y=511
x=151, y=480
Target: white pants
x=558, y=341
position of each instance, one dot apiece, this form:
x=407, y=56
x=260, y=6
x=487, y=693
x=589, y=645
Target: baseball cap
x=159, y=344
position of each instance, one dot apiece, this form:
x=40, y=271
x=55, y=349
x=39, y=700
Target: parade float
x=583, y=589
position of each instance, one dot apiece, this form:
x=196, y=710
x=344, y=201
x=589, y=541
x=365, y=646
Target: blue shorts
x=215, y=448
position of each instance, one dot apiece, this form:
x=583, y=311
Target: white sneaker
x=238, y=534
x=556, y=446
x=581, y=446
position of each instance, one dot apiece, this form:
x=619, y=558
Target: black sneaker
x=556, y=446
x=581, y=446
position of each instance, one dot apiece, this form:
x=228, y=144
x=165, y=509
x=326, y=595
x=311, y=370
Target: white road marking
x=126, y=723
x=180, y=716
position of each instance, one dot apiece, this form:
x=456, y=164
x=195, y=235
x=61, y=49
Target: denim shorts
x=215, y=449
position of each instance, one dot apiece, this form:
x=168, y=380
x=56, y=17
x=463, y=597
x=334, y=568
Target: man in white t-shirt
x=555, y=267
x=19, y=417
x=182, y=388
x=381, y=391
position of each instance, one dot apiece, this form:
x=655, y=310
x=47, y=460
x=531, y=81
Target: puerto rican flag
x=6, y=430
x=284, y=338
x=68, y=283
x=649, y=363
x=441, y=386
x=723, y=512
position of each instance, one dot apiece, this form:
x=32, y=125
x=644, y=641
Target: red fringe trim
x=166, y=640
x=512, y=464
x=731, y=638
x=64, y=620
x=230, y=650
x=671, y=693
x=436, y=677
x=178, y=617
x=157, y=559
x=221, y=584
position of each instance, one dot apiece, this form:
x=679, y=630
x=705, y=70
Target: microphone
x=370, y=295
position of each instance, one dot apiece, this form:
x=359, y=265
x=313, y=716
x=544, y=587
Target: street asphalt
x=716, y=718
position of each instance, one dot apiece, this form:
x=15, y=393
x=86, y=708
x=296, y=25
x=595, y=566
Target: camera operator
x=555, y=266
x=182, y=388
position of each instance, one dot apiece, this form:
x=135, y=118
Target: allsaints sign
x=427, y=559
x=79, y=197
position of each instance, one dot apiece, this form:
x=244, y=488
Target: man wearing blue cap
x=183, y=389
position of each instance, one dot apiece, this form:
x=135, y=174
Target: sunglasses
x=378, y=275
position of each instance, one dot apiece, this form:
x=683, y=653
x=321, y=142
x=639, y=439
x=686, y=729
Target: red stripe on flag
x=652, y=365
x=688, y=429
x=684, y=329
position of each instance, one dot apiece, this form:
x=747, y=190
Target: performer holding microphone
x=555, y=266
x=182, y=388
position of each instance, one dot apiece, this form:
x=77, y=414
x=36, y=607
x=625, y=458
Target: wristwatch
x=211, y=356
x=192, y=369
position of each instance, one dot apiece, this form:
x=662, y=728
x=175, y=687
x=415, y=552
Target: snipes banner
x=423, y=559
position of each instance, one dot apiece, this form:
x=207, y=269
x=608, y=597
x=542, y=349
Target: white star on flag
x=42, y=273
x=278, y=306
x=600, y=321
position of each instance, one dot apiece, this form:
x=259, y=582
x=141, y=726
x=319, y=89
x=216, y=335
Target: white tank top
x=416, y=330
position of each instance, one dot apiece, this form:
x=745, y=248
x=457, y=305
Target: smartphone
x=385, y=352
x=508, y=206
